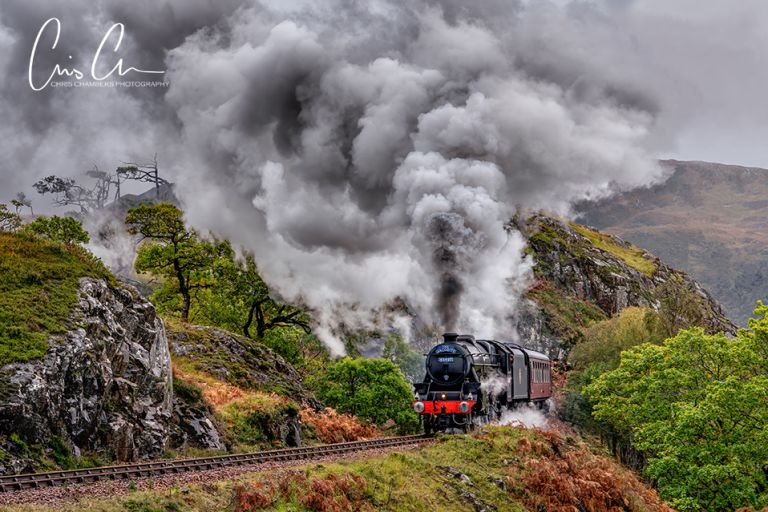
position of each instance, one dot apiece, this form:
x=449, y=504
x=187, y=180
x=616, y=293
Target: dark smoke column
x=453, y=244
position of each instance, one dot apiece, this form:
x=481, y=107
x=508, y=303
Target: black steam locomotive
x=471, y=380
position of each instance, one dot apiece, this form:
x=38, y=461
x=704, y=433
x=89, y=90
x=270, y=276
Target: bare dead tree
x=67, y=192
x=143, y=172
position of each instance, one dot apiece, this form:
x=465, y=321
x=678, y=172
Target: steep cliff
x=102, y=389
x=583, y=275
x=85, y=369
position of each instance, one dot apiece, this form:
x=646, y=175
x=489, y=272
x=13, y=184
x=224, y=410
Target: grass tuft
x=632, y=256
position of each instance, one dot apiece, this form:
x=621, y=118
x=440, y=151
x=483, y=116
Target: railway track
x=148, y=469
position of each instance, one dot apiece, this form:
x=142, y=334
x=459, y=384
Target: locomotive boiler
x=471, y=381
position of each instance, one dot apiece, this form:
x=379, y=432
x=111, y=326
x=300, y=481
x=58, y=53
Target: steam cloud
x=392, y=168
x=363, y=150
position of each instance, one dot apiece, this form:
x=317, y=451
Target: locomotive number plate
x=444, y=359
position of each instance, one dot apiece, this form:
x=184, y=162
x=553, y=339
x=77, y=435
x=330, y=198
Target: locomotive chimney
x=450, y=337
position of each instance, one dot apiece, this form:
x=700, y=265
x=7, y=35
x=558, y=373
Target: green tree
x=241, y=285
x=372, y=389
x=697, y=406
x=171, y=249
x=604, y=341
x=408, y=359
x=9, y=221
x=600, y=352
x=66, y=230
x=21, y=201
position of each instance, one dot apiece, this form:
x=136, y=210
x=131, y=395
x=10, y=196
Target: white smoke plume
x=494, y=384
x=527, y=416
x=366, y=151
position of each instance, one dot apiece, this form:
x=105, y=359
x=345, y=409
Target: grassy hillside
x=498, y=468
x=38, y=287
x=708, y=219
x=258, y=400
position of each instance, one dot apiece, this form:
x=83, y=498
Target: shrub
x=187, y=392
x=329, y=493
x=559, y=478
x=333, y=427
x=372, y=389
x=9, y=221
x=66, y=230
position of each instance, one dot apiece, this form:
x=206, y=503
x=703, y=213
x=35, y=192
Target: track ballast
x=155, y=468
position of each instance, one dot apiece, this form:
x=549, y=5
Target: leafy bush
x=9, y=221
x=186, y=391
x=604, y=341
x=599, y=352
x=66, y=230
x=373, y=389
x=697, y=406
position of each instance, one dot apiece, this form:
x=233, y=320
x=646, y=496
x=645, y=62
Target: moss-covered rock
x=103, y=386
x=252, y=394
x=583, y=276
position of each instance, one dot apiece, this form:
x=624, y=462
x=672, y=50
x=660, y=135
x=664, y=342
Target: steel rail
x=20, y=482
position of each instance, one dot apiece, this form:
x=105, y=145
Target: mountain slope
x=708, y=219
x=583, y=276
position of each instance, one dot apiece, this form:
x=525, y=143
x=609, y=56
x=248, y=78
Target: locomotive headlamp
x=442, y=396
x=418, y=407
x=464, y=407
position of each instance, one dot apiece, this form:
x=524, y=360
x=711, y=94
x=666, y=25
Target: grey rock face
x=195, y=426
x=534, y=333
x=577, y=269
x=104, y=387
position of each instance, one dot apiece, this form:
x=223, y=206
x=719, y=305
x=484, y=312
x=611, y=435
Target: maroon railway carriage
x=472, y=381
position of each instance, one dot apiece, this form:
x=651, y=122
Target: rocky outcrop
x=583, y=275
x=246, y=365
x=708, y=219
x=236, y=360
x=194, y=422
x=103, y=388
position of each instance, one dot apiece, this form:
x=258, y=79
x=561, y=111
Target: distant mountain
x=708, y=219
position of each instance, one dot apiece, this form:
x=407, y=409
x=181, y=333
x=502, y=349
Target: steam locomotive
x=472, y=381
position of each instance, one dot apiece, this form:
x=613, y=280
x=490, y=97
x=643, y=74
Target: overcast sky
x=703, y=62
